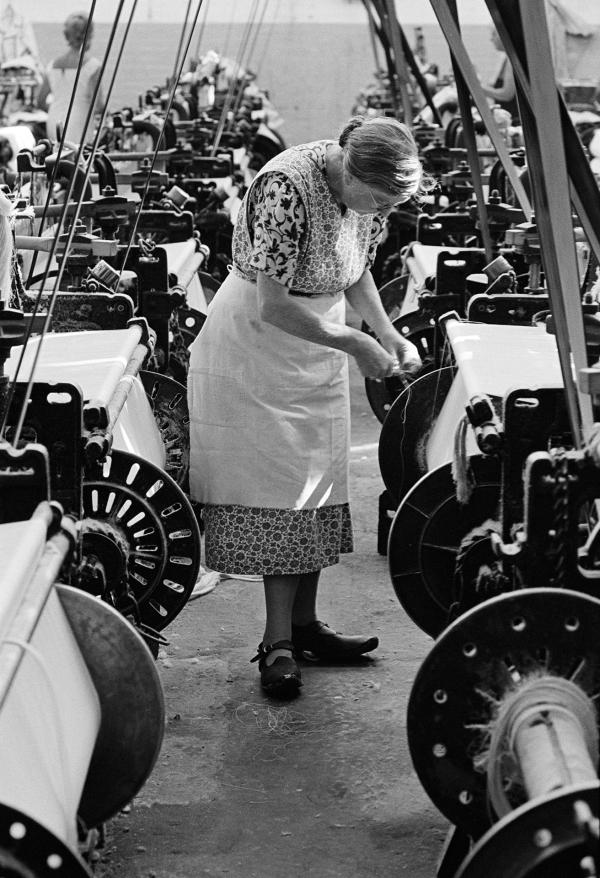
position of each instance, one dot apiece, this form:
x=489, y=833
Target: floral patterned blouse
x=291, y=227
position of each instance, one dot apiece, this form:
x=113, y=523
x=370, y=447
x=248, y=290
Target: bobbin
x=473, y=665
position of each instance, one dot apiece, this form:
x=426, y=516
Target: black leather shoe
x=282, y=678
x=318, y=641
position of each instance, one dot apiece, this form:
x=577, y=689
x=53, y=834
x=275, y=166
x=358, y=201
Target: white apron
x=269, y=412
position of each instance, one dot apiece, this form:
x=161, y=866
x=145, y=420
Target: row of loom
x=490, y=463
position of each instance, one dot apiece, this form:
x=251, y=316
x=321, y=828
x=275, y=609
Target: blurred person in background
x=59, y=82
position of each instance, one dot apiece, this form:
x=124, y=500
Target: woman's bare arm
x=365, y=299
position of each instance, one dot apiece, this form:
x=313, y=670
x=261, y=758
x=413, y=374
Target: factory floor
x=320, y=786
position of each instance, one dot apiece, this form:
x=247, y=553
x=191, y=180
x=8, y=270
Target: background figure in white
x=17, y=39
x=60, y=81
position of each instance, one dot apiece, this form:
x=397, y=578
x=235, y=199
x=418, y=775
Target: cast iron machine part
x=503, y=734
x=136, y=518
x=139, y=539
x=81, y=707
x=445, y=547
x=102, y=297
x=427, y=537
x=462, y=282
x=153, y=291
x=168, y=399
x=531, y=517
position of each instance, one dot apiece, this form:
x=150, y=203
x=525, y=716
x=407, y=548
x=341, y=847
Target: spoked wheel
x=168, y=399
x=406, y=430
x=426, y=536
x=138, y=518
x=421, y=331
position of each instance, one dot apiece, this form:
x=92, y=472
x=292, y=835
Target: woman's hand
x=405, y=353
x=373, y=360
x=405, y=359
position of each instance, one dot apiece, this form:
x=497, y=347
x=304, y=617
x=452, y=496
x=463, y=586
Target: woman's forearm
x=365, y=299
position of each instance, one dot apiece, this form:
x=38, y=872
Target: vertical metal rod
x=372, y=35
x=464, y=104
x=201, y=29
x=384, y=38
x=245, y=62
x=453, y=38
x=584, y=189
x=553, y=216
x=228, y=102
x=181, y=38
x=156, y=149
x=400, y=61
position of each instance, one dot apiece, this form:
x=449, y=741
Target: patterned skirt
x=254, y=541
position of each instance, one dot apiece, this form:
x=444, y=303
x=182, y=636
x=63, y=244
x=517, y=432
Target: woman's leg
x=304, y=610
x=280, y=595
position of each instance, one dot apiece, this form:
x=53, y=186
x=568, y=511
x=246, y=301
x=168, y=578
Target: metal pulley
x=406, y=428
x=556, y=836
x=426, y=537
x=29, y=850
x=139, y=514
x=128, y=686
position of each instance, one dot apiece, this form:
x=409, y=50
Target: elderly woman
x=268, y=381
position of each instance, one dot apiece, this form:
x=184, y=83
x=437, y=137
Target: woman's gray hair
x=380, y=151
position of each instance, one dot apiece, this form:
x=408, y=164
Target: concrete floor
x=321, y=786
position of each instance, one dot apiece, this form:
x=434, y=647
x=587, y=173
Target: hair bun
x=350, y=126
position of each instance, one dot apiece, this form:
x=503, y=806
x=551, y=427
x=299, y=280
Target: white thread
x=537, y=696
x=61, y=747
x=460, y=468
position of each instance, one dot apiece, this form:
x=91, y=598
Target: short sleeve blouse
x=278, y=221
x=278, y=226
